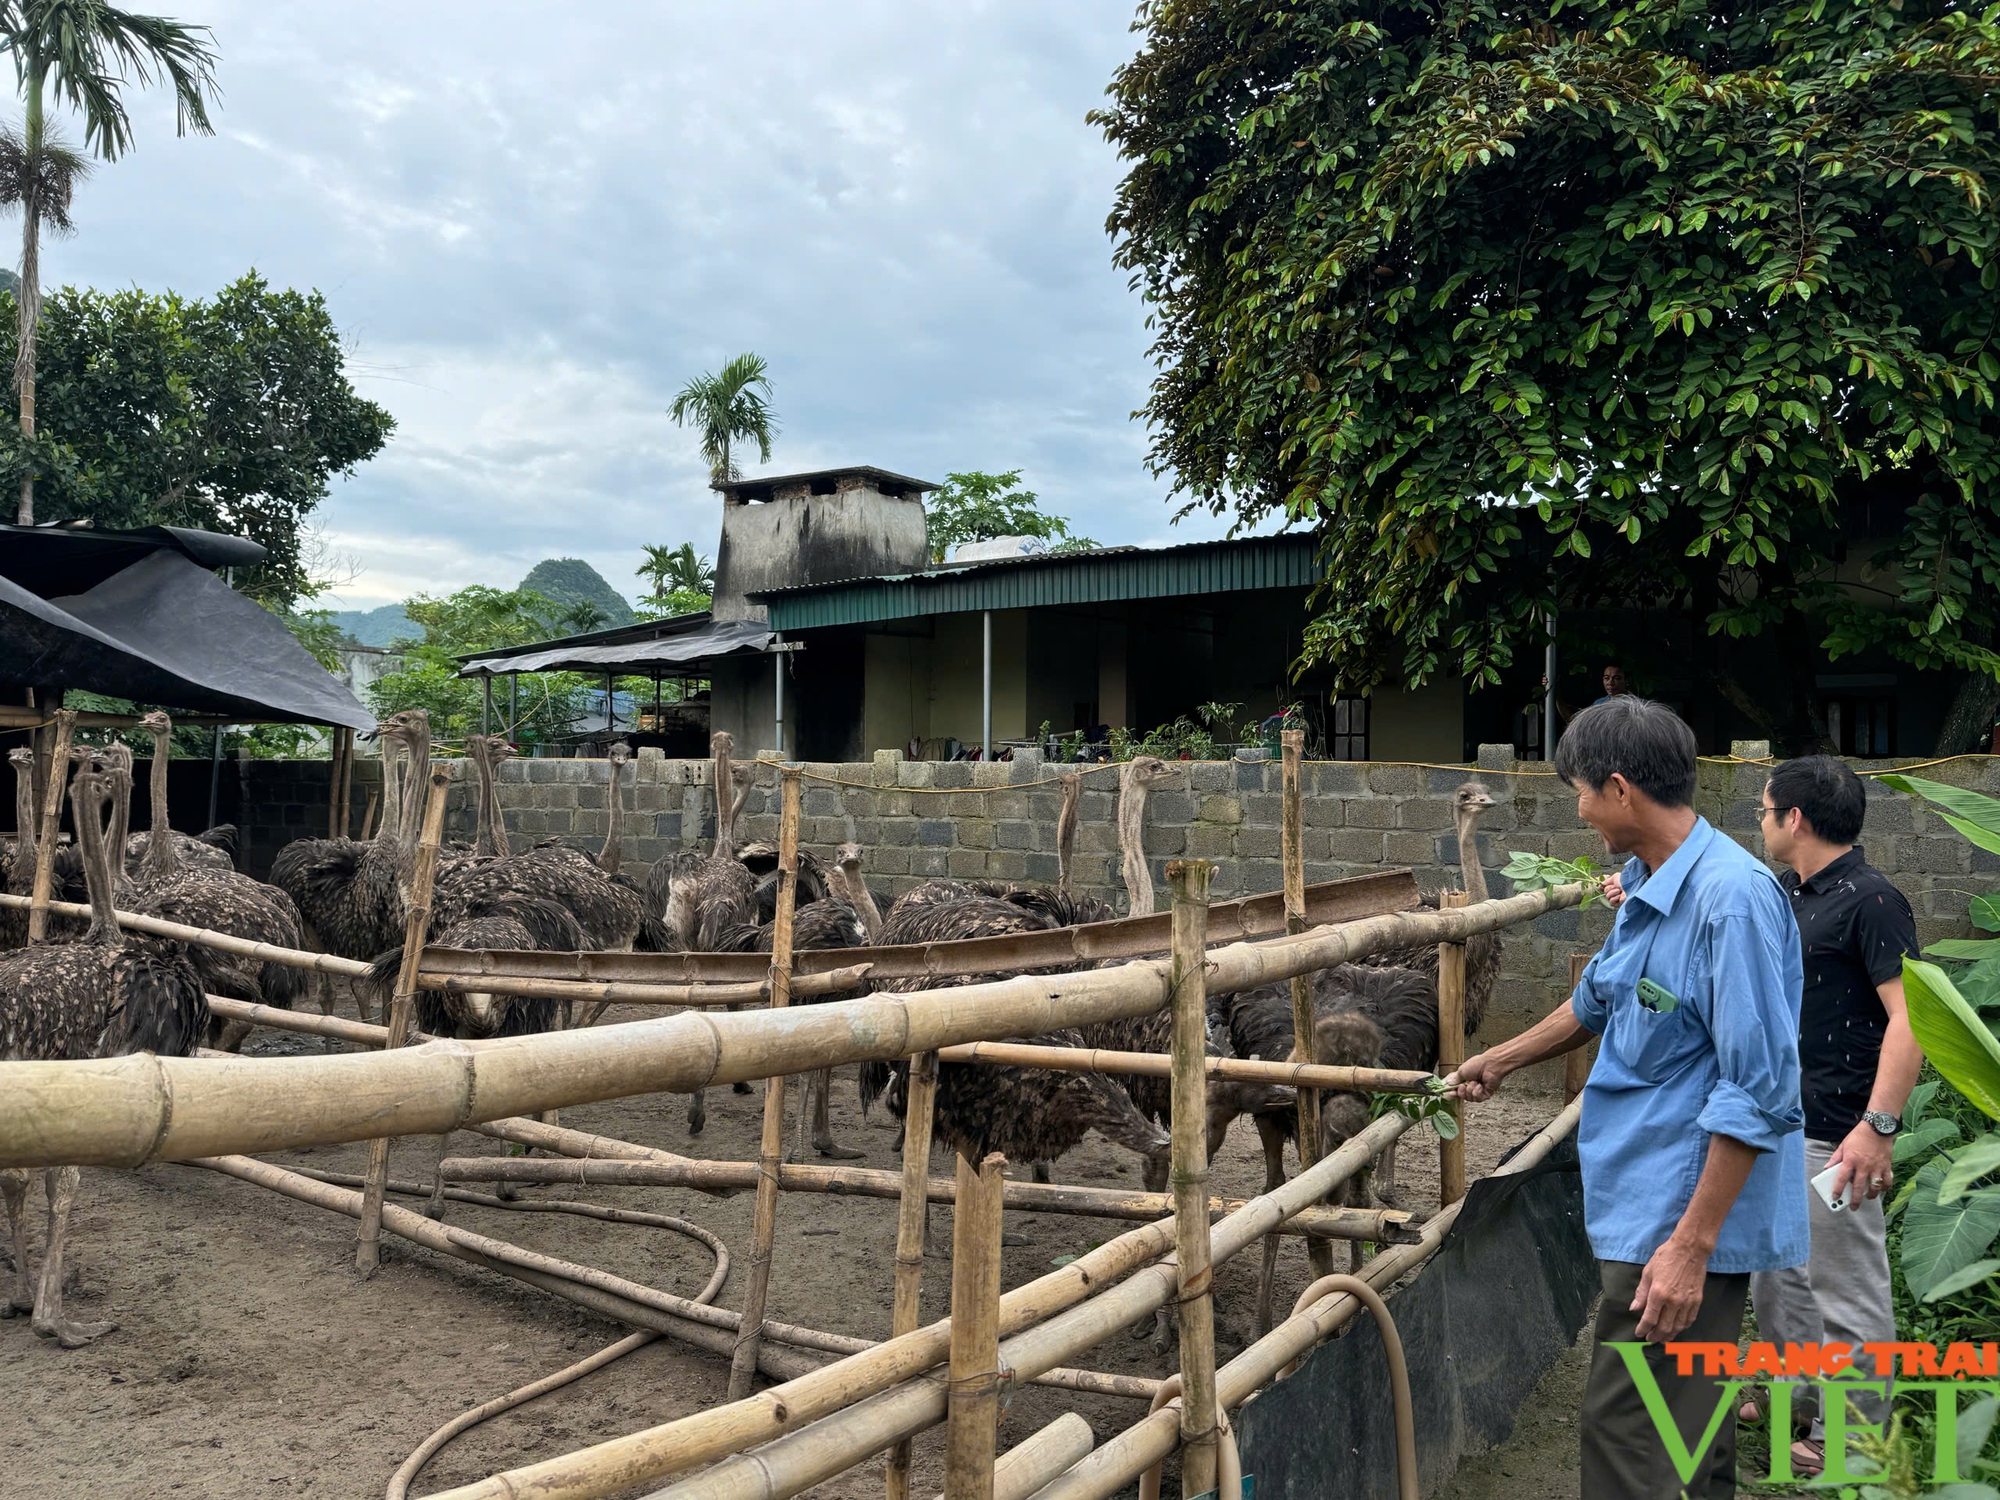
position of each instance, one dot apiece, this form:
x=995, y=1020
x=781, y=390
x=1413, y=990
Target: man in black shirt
x=1857, y=1061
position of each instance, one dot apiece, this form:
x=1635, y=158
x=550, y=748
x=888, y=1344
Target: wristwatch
x=1880, y=1123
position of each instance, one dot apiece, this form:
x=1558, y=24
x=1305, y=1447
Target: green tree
x=231, y=413
x=976, y=507
x=573, y=583
x=682, y=581
x=728, y=407
x=479, y=619
x=82, y=52
x=1534, y=306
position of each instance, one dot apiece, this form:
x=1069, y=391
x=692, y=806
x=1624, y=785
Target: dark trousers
x=1624, y=1454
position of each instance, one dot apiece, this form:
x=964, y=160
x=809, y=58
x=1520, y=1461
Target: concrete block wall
x=916, y=820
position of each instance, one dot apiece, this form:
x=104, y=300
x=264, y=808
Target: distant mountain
x=377, y=627
x=571, y=580
x=9, y=282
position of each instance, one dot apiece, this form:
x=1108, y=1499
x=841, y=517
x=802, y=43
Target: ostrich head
x=848, y=859
x=722, y=744
x=157, y=724
x=1468, y=803
x=1148, y=771
x=618, y=753
x=1472, y=799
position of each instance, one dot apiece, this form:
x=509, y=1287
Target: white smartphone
x=1823, y=1185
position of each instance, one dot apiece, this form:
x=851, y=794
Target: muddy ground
x=250, y=1360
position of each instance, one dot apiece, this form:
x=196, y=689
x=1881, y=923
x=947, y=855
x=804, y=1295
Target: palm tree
x=82, y=51
x=727, y=406
x=679, y=568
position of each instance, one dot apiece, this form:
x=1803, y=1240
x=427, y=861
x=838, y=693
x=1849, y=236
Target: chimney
x=799, y=529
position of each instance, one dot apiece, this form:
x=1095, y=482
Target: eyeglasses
x=1765, y=812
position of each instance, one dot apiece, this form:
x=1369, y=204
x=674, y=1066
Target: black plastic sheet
x=1510, y=1288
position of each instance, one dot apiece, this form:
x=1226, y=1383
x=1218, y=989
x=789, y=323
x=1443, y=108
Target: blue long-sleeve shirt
x=1711, y=927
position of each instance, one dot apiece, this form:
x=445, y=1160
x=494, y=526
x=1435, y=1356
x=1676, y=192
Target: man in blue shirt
x=1691, y=1136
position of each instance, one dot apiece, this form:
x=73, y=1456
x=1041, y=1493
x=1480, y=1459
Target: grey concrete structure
x=917, y=819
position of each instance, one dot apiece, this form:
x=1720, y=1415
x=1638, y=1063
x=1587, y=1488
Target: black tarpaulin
x=165, y=630
x=682, y=645
x=1510, y=1289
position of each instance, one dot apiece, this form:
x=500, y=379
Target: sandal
x=1749, y=1411
x=1808, y=1458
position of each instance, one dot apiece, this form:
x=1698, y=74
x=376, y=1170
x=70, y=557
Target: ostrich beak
x=480, y=1004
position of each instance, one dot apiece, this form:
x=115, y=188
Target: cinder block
x=963, y=805
x=915, y=772
x=1014, y=833
x=934, y=833
x=1324, y=812
x=1370, y=812
x=966, y=864
x=1044, y=868
x=821, y=802
x=1207, y=841
x=896, y=831
x=1424, y=812
x=1408, y=848
x=889, y=860
x=1007, y=864
x=1355, y=845
x=929, y=864
x=1170, y=807
x=1218, y=808
x=973, y=833
x=992, y=772
x=1165, y=840
x=951, y=773
x=1397, y=781
x=1211, y=776
x=1338, y=778
x=1269, y=843
x=1007, y=805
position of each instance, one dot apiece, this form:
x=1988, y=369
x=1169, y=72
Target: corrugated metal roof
x=1101, y=576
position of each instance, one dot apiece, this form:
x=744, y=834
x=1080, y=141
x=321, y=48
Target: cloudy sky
x=533, y=223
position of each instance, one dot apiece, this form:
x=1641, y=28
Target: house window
x=1862, y=726
x=1349, y=739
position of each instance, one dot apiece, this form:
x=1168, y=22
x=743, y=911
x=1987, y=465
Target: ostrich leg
x=823, y=1142
x=49, y=1321
x=14, y=1185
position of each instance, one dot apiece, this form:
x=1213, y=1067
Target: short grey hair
x=1645, y=742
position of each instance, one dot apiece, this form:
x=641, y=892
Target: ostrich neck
x=1470, y=871
x=1066, y=828
x=88, y=812
x=497, y=831
x=1131, y=842
x=856, y=891
x=121, y=825
x=160, y=860
x=608, y=860
x=416, y=789
x=725, y=812
x=482, y=769
x=389, y=822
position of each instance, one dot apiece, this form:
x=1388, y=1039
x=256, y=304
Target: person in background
x=1616, y=684
x=1858, y=1062
x=1691, y=1138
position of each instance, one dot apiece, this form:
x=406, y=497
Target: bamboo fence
x=1194, y=1302
x=1451, y=1052
x=972, y=1399
x=127, y=1111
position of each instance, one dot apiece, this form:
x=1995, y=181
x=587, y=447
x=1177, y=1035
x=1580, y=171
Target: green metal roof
x=1097, y=577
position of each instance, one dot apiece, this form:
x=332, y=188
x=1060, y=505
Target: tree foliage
x=231, y=414
x=976, y=507
x=682, y=581
x=733, y=405
x=1544, y=305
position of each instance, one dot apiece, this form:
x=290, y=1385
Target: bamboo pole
x=1451, y=1052
x=613, y=1168
x=1188, y=880
x=416, y=927
x=764, y=1220
x=63, y=731
x=346, y=809
x=130, y=1110
x=1116, y=1463
x=972, y=1401
x=1576, y=1062
x=912, y=1219
x=1038, y=1458
x=341, y=741
x=1160, y=1065
x=1292, y=743
x=817, y=1452
x=273, y=1019
x=831, y=981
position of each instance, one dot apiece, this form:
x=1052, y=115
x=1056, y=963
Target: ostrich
x=97, y=997
x=1141, y=774
x=1470, y=802
x=1072, y=803
x=221, y=900
x=850, y=887
x=345, y=889
x=611, y=856
x=679, y=888
x=828, y=923
x=507, y=921
x=1031, y=1114
x=211, y=850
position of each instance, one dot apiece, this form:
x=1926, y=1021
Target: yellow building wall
x=896, y=703
x=956, y=676
x=1427, y=723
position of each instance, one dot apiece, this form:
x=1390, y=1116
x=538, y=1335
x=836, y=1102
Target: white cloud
x=533, y=225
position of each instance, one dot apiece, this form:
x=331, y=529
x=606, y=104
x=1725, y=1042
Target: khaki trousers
x=1624, y=1454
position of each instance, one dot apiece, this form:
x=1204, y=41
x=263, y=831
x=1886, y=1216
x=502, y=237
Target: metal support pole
x=513, y=704
x=986, y=692
x=778, y=678
x=486, y=704
x=214, y=777
x=610, y=706
x=1549, y=692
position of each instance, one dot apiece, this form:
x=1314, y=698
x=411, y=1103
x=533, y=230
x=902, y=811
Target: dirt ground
x=250, y=1360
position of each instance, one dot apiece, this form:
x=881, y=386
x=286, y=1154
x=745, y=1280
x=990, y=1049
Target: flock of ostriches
x=94, y=990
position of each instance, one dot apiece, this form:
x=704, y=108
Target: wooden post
x=1188, y=879
x=1576, y=1065
x=344, y=813
x=52, y=803
x=1293, y=742
x=764, y=1219
x=1451, y=1052
x=912, y=1213
x=416, y=932
x=338, y=748
x=972, y=1401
